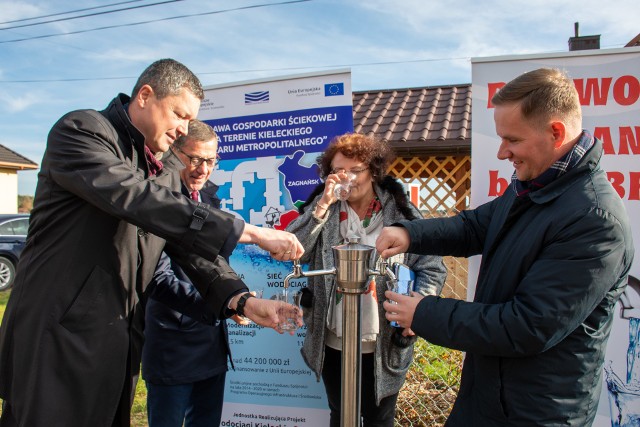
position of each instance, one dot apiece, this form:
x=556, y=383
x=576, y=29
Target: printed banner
x=608, y=83
x=271, y=132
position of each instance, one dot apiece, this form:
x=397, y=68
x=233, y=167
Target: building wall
x=8, y=191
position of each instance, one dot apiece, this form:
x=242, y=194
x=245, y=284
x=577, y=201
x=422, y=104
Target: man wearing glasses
x=184, y=358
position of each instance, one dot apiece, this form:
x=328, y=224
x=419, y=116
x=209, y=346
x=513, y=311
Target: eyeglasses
x=197, y=161
x=355, y=171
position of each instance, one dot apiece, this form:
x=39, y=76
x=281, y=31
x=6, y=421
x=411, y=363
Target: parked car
x=13, y=235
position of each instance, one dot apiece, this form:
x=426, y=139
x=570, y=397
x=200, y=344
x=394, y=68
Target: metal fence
x=433, y=379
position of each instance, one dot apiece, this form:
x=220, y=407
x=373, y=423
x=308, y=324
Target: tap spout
x=389, y=273
x=297, y=273
x=319, y=272
x=384, y=270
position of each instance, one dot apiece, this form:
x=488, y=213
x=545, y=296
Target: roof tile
x=12, y=160
x=424, y=119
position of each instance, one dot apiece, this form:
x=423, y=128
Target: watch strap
x=242, y=301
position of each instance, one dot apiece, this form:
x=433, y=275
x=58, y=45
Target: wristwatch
x=241, y=302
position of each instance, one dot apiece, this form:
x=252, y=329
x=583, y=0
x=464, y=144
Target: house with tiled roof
x=429, y=128
x=423, y=120
x=10, y=163
x=634, y=42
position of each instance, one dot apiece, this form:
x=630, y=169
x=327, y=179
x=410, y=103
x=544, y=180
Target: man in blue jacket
x=184, y=358
x=556, y=252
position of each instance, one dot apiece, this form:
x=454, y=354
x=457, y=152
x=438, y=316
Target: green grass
x=139, y=408
x=441, y=365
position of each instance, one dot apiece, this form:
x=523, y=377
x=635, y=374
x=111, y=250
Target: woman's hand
x=328, y=197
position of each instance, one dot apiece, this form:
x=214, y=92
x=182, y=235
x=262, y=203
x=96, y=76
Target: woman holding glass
x=372, y=200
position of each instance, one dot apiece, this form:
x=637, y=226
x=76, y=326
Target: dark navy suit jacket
x=184, y=341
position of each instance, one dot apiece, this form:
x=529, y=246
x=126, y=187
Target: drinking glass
x=289, y=312
x=342, y=190
x=403, y=287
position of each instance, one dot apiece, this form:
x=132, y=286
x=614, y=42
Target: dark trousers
x=372, y=414
x=196, y=404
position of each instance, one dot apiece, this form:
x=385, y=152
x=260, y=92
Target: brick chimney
x=585, y=42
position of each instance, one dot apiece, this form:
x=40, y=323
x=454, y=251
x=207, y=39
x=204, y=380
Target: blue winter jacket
x=536, y=333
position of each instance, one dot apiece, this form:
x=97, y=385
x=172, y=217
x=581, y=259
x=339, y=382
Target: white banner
x=608, y=82
x=271, y=132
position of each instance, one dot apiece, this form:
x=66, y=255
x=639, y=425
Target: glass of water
x=342, y=190
x=289, y=311
x=403, y=287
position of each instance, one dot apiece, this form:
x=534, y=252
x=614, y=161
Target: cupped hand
x=263, y=312
x=271, y=313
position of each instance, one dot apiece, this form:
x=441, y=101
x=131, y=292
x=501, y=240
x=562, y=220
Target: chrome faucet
x=352, y=261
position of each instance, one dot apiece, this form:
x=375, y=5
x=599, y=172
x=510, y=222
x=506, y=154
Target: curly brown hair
x=373, y=152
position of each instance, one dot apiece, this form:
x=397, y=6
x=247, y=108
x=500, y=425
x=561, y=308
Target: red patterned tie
x=194, y=195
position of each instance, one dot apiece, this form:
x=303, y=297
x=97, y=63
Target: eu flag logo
x=334, y=89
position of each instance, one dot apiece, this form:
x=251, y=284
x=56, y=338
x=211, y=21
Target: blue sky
x=49, y=69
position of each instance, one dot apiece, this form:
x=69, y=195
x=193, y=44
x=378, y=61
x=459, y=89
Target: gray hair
x=198, y=131
x=167, y=77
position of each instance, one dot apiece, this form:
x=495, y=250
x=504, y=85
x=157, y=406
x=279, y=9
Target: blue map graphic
x=299, y=179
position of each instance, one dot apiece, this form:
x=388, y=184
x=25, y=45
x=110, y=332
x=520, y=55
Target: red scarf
x=154, y=165
x=374, y=207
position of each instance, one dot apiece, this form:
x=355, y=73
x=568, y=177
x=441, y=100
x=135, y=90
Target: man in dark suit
x=184, y=358
x=104, y=210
